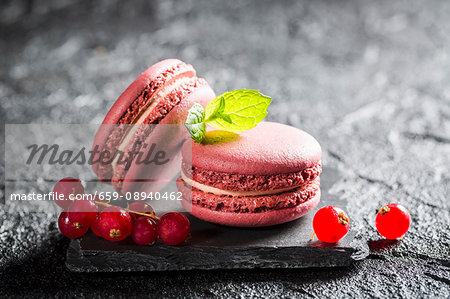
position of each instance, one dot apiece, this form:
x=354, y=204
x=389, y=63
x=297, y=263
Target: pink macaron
x=162, y=94
x=264, y=176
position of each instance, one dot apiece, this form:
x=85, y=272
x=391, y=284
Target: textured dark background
x=369, y=79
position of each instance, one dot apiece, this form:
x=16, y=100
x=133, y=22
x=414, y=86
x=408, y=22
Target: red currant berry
x=141, y=207
x=82, y=212
x=330, y=224
x=70, y=229
x=144, y=231
x=173, y=228
x=67, y=187
x=393, y=221
x=114, y=223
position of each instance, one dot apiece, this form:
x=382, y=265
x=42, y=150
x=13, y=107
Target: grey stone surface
x=368, y=79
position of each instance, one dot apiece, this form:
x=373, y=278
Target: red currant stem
x=143, y=214
x=153, y=216
x=312, y=236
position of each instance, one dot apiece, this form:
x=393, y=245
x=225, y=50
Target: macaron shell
x=134, y=90
x=268, y=218
x=269, y=148
x=126, y=100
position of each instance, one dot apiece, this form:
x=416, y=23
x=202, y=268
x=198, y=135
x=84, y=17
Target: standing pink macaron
x=264, y=176
x=160, y=95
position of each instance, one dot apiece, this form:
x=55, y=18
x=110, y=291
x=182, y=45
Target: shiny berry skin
x=82, y=212
x=141, y=207
x=330, y=224
x=173, y=228
x=69, y=229
x=114, y=223
x=67, y=186
x=144, y=231
x=393, y=221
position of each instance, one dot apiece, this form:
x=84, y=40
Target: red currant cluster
x=114, y=223
x=331, y=223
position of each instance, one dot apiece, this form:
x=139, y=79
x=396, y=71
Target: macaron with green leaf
x=240, y=171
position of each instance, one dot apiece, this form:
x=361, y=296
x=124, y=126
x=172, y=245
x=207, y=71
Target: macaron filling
x=209, y=189
x=250, y=204
x=228, y=192
x=251, y=183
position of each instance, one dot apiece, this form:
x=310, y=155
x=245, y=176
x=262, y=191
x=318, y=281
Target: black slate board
x=218, y=247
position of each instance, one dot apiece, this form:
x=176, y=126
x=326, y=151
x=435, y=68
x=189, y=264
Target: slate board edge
x=196, y=258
